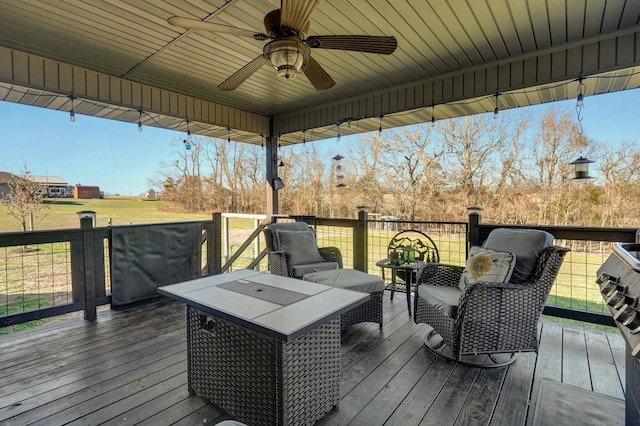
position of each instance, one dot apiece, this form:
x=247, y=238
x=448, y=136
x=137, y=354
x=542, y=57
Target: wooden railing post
x=474, y=229
x=89, y=269
x=360, y=242
x=214, y=246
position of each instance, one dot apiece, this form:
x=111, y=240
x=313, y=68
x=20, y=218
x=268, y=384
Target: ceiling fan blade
x=194, y=24
x=384, y=45
x=318, y=76
x=238, y=77
x=295, y=13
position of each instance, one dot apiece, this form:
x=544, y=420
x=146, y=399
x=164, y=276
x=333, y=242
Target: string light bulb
x=140, y=120
x=433, y=114
x=228, y=133
x=497, y=110
x=380, y=127
x=581, y=88
x=72, y=113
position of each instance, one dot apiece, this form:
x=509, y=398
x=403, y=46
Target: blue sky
x=119, y=159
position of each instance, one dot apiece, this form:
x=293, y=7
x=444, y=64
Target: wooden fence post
x=214, y=246
x=360, y=243
x=89, y=263
x=474, y=229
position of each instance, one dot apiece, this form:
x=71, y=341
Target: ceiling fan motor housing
x=287, y=55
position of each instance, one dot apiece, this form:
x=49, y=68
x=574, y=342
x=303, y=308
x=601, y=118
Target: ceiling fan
x=289, y=47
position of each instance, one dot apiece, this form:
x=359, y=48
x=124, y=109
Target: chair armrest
x=439, y=274
x=331, y=254
x=279, y=263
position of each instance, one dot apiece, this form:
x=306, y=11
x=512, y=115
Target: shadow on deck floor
x=129, y=367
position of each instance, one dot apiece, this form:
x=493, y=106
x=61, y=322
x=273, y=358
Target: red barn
x=82, y=191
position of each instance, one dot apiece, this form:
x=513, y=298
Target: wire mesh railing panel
x=337, y=236
x=575, y=285
x=34, y=277
x=107, y=266
x=450, y=239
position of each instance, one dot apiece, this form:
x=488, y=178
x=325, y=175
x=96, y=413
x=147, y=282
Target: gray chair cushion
x=348, y=278
x=300, y=271
x=443, y=297
x=525, y=244
x=301, y=246
x=272, y=238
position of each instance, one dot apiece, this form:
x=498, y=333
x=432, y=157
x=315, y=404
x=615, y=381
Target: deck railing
x=48, y=273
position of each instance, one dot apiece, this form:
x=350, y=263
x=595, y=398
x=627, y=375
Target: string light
x=380, y=128
x=228, y=133
x=304, y=137
x=433, y=105
x=497, y=110
x=72, y=113
x=140, y=120
x=579, y=103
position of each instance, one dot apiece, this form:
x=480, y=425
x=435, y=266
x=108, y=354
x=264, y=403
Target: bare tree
x=305, y=177
x=410, y=158
x=25, y=202
x=620, y=168
x=556, y=144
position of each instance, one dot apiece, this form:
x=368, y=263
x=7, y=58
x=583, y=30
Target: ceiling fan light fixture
x=288, y=56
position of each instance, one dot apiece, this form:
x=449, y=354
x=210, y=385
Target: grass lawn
x=61, y=213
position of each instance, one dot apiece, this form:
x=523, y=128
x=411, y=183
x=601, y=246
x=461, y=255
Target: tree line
x=515, y=167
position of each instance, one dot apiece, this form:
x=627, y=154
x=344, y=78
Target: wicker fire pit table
x=264, y=348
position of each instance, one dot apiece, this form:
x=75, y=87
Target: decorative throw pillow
x=487, y=265
x=301, y=246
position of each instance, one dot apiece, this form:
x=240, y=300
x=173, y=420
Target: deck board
x=604, y=376
x=129, y=367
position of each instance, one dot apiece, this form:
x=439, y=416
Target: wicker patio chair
x=283, y=262
x=322, y=270
x=489, y=317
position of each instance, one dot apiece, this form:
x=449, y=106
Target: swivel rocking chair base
x=437, y=346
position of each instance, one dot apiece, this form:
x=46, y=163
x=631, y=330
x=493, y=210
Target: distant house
x=52, y=186
x=82, y=191
x=150, y=195
x=5, y=178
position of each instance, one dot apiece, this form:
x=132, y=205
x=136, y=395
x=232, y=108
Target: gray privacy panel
x=145, y=257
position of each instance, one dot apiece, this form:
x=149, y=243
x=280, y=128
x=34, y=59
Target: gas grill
x=619, y=281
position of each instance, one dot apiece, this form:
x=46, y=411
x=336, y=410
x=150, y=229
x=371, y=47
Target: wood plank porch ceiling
x=119, y=56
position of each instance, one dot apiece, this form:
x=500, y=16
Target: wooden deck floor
x=129, y=367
